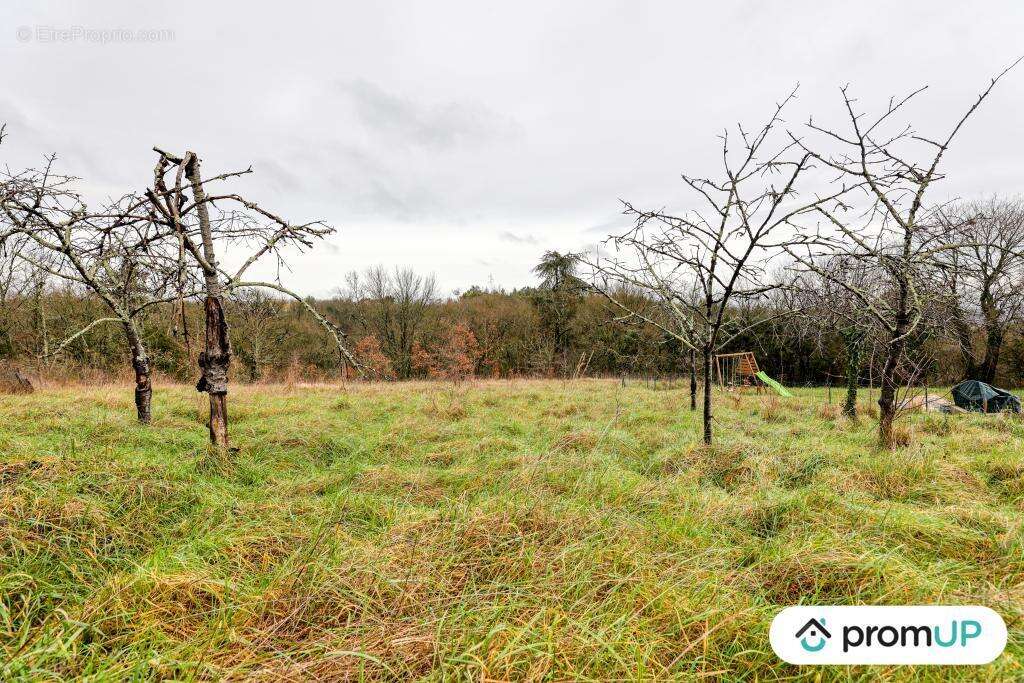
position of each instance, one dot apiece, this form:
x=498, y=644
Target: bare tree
x=263, y=328
x=889, y=231
x=15, y=280
x=981, y=277
x=237, y=221
x=830, y=308
x=700, y=264
x=104, y=251
x=392, y=305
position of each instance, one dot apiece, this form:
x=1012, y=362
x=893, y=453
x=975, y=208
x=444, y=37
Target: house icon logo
x=815, y=632
x=888, y=634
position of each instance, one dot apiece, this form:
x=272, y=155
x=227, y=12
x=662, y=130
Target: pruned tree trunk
x=706, y=361
x=215, y=360
x=143, y=377
x=255, y=224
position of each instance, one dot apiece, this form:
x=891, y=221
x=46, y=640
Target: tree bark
x=993, y=340
x=143, y=377
x=897, y=344
x=215, y=360
x=990, y=365
x=962, y=331
x=706, y=360
x=887, y=401
x=693, y=380
x=889, y=386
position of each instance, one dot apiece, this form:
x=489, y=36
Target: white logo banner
x=888, y=635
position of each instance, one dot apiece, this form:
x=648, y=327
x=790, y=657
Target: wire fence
x=831, y=393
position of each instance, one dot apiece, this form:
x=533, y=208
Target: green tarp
x=984, y=398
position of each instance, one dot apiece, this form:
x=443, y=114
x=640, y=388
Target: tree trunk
x=255, y=371
x=693, y=380
x=853, y=341
x=993, y=341
x=40, y=320
x=143, y=378
x=990, y=365
x=889, y=386
x=962, y=332
x=219, y=421
x=706, y=359
x=894, y=356
x=214, y=363
x=215, y=359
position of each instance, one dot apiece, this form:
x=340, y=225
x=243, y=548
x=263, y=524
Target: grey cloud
x=454, y=132
x=609, y=227
x=436, y=127
x=16, y=119
x=508, y=236
x=367, y=185
x=280, y=177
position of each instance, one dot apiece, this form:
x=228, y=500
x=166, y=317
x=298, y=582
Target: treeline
x=399, y=327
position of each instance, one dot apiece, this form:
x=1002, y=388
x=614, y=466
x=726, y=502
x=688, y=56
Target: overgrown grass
x=503, y=530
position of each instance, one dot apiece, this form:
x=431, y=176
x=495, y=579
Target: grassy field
x=527, y=530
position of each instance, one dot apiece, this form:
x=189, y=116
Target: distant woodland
x=401, y=327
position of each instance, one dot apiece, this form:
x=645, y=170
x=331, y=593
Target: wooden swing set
x=738, y=370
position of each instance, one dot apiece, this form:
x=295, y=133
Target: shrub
x=455, y=358
x=369, y=354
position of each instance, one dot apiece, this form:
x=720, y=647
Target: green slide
x=779, y=389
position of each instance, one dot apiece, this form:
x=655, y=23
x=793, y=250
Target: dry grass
x=829, y=411
x=522, y=530
x=771, y=410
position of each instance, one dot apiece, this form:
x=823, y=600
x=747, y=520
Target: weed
x=771, y=411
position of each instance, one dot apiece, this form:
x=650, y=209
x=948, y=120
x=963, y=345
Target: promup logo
x=816, y=632
x=888, y=635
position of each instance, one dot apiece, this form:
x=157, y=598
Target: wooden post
x=693, y=380
x=871, y=378
x=707, y=416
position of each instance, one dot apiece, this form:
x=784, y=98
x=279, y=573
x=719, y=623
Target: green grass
x=523, y=530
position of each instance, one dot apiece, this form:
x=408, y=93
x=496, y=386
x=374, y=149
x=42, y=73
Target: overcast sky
x=465, y=138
